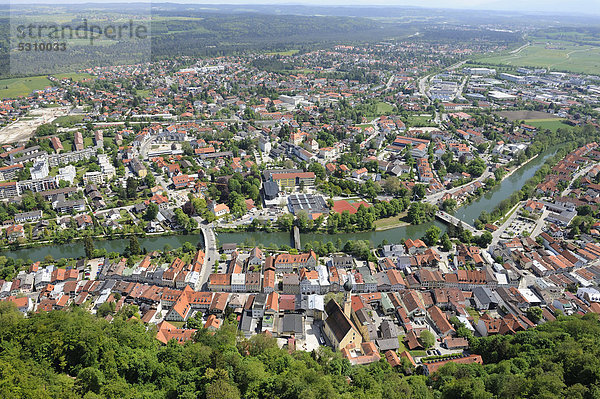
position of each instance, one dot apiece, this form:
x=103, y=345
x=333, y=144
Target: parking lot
x=518, y=227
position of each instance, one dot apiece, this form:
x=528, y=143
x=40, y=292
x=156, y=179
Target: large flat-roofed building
x=289, y=177
x=479, y=71
x=307, y=202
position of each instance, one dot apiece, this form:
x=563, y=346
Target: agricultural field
x=525, y=115
x=555, y=56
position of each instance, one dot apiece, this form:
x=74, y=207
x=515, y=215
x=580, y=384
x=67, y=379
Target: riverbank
x=120, y=236
x=516, y=169
x=467, y=213
x=391, y=222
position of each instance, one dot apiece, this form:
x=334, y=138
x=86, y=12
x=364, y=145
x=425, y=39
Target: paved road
x=424, y=79
x=390, y=81
x=515, y=51
x=496, y=234
x=577, y=175
x=539, y=225
x=436, y=197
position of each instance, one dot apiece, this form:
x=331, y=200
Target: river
x=467, y=213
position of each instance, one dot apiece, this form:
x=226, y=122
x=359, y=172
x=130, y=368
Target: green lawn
x=474, y=313
x=288, y=52
x=16, y=87
x=10, y=88
x=559, y=56
x=552, y=124
x=143, y=93
x=304, y=71
x=384, y=108
x=77, y=77
x=387, y=223
x=68, y=120
x=417, y=353
x=419, y=121
x=402, y=347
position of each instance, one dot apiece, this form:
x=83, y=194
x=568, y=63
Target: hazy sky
x=546, y=6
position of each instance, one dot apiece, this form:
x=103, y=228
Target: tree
x=476, y=167
x=88, y=245
x=150, y=180
x=188, y=247
x=131, y=189
x=484, y=239
x=302, y=220
x=106, y=308
x=134, y=246
x=534, y=314
x=427, y=339
x=432, y=235
x=237, y=204
x=222, y=389
x=285, y=222
x=46, y=129
x=446, y=243
x=89, y=379
x=151, y=212
x=392, y=185
x=449, y=205
x=419, y=191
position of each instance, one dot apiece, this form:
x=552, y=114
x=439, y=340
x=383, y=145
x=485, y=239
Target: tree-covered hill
x=73, y=354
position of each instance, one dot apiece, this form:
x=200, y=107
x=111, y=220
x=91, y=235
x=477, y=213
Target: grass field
x=76, y=76
x=552, y=124
x=391, y=222
x=558, y=56
x=419, y=120
x=288, y=52
x=17, y=87
x=384, y=108
x=143, y=93
x=68, y=120
x=305, y=71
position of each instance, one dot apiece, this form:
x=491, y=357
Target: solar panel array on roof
x=307, y=202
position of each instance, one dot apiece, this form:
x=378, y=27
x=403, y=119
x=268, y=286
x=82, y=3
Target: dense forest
x=201, y=32
x=73, y=354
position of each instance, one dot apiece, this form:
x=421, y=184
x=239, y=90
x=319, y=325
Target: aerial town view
x=300, y=201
